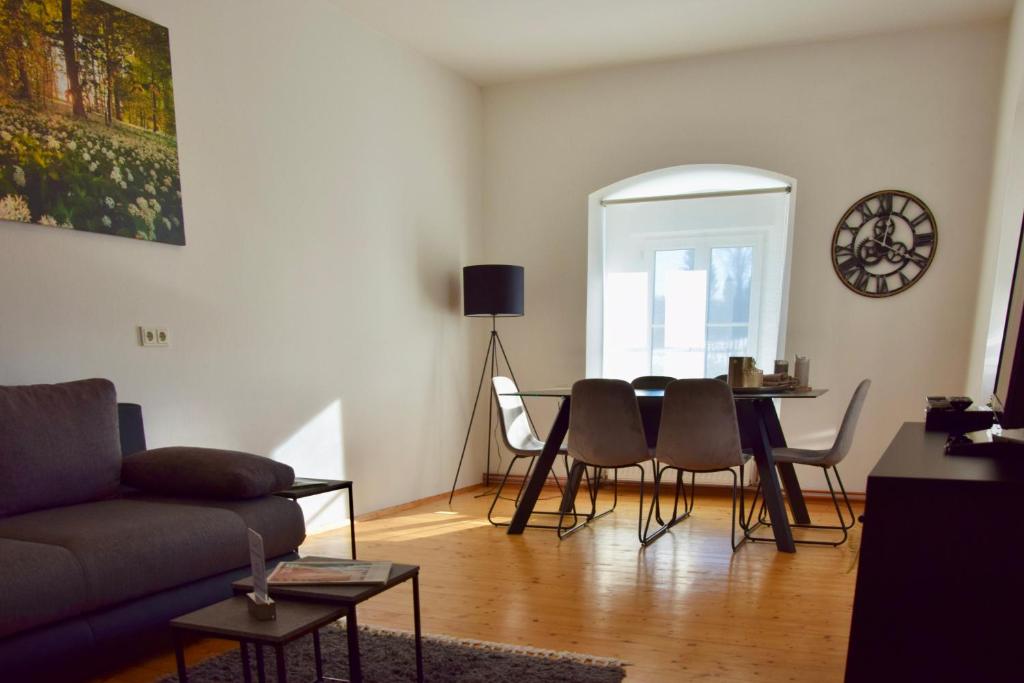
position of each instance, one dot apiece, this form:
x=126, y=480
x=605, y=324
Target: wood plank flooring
x=686, y=608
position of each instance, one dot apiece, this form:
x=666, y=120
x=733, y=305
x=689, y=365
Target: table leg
x=243, y=647
x=282, y=667
x=770, y=483
x=318, y=657
x=179, y=657
x=355, y=668
x=261, y=671
x=416, y=622
x=540, y=471
x=794, y=494
x=352, y=521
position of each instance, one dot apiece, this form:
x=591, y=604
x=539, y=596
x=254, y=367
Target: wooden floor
x=686, y=608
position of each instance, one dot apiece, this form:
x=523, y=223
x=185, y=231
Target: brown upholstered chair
x=606, y=433
x=698, y=433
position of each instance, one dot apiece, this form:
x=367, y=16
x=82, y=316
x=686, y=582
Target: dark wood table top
x=739, y=395
x=344, y=595
x=231, y=619
x=915, y=453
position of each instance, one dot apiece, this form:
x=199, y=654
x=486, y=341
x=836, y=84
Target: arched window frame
x=634, y=189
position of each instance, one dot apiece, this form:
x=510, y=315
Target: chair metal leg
x=572, y=487
x=640, y=530
x=733, y=522
x=576, y=474
x=846, y=498
x=526, y=478
x=594, y=489
x=843, y=526
x=747, y=523
x=497, y=494
x=649, y=537
x=501, y=486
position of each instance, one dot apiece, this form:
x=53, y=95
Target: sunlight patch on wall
x=316, y=451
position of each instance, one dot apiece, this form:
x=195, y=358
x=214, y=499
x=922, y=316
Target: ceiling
x=496, y=41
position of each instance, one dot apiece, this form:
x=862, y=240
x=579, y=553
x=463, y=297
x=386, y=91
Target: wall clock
x=884, y=243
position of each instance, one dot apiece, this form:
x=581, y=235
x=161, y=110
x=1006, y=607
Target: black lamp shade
x=492, y=290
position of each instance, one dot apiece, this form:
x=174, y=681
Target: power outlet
x=153, y=336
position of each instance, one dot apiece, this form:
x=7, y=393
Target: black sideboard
x=940, y=582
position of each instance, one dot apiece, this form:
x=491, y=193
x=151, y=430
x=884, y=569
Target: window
x=686, y=280
x=701, y=311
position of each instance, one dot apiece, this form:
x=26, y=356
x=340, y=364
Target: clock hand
x=887, y=246
x=903, y=253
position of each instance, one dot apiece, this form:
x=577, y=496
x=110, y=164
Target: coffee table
x=305, y=487
x=346, y=598
x=230, y=619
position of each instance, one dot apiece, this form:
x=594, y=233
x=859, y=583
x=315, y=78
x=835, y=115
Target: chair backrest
x=652, y=382
x=604, y=424
x=698, y=430
x=844, y=439
x=516, y=430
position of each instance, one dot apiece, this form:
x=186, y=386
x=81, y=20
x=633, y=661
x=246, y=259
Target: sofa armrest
x=205, y=473
x=130, y=426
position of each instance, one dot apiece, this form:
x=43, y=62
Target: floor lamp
x=494, y=291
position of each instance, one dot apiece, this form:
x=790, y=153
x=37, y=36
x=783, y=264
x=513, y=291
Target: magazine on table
x=325, y=571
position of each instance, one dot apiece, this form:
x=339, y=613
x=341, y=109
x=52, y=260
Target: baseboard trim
x=514, y=480
x=402, y=507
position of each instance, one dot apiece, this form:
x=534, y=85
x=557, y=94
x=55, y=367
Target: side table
x=346, y=598
x=304, y=488
x=230, y=619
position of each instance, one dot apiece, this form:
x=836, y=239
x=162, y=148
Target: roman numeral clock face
x=884, y=243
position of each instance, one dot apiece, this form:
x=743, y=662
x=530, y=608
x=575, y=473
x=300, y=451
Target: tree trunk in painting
x=19, y=45
x=67, y=33
x=108, y=31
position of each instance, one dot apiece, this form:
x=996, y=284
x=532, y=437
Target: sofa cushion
x=278, y=520
x=205, y=473
x=59, y=444
x=39, y=584
x=130, y=548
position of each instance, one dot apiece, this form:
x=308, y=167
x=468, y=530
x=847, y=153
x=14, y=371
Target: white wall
x=914, y=111
x=1002, y=229
x=331, y=185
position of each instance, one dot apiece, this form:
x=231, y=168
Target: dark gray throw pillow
x=59, y=445
x=205, y=473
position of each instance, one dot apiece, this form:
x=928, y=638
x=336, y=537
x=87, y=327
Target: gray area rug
x=390, y=656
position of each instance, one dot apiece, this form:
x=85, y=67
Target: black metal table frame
x=327, y=486
x=243, y=646
x=355, y=667
x=760, y=429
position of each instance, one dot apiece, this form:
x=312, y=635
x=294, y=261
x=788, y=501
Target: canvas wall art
x=87, y=129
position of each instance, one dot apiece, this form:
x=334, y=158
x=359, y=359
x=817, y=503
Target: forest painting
x=87, y=130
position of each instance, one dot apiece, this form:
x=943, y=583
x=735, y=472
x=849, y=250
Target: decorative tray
x=761, y=390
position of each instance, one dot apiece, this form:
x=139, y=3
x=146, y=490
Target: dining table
x=760, y=432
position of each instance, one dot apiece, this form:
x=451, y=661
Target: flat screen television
x=1008, y=396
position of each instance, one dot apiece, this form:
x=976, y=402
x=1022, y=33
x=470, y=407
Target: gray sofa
x=86, y=561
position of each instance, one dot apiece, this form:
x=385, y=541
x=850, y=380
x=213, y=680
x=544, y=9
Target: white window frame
x=596, y=257
x=702, y=242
